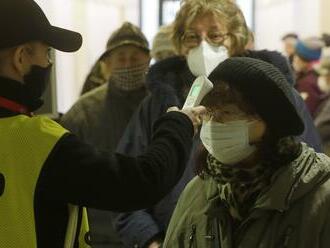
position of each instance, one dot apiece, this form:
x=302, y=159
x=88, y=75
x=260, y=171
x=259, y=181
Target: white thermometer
x=201, y=86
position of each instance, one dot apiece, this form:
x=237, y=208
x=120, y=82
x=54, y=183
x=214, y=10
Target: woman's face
x=206, y=27
x=299, y=65
x=231, y=112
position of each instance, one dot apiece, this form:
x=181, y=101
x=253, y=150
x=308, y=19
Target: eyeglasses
x=191, y=39
x=225, y=114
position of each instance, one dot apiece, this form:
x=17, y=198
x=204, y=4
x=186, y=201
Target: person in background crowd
x=326, y=39
x=308, y=53
x=251, y=42
x=289, y=44
x=205, y=33
x=256, y=185
x=99, y=75
x=99, y=117
x=47, y=175
x=162, y=46
x=326, y=48
x=322, y=115
x=101, y=71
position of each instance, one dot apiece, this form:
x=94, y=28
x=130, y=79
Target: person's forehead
x=206, y=22
x=290, y=41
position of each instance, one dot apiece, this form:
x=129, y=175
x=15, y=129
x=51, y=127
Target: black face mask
x=35, y=83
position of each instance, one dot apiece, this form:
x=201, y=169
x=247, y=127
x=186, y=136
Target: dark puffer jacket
x=169, y=82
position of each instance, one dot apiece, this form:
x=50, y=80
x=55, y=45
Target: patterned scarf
x=130, y=78
x=238, y=185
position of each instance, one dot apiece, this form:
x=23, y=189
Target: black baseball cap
x=23, y=21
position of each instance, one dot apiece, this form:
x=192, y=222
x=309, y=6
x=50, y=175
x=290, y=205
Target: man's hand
x=193, y=113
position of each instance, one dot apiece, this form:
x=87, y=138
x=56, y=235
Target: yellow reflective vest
x=25, y=144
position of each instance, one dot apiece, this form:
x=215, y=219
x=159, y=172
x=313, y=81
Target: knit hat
x=309, y=49
x=127, y=34
x=266, y=89
x=162, y=41
x=323, y=68
x=276, y=59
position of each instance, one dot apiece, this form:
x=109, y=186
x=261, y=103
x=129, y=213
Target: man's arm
x=76, y=173
x=140, y=227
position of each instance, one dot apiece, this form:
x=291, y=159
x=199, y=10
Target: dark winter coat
x=307, y=86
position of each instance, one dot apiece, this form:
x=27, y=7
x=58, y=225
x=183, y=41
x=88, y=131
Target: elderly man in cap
x=126, y=49
x=47, y=175
x=100, y=116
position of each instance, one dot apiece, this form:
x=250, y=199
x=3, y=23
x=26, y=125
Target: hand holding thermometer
x=201, y=86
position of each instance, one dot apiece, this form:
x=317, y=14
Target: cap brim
x=63, y=39
x=124, y=43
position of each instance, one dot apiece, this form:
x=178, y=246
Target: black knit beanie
x=266, y=88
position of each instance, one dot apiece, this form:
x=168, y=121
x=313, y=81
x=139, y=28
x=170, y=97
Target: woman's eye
x=191, y=37
x=216, y=36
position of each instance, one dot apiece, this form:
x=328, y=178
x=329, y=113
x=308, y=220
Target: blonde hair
x=228, y=13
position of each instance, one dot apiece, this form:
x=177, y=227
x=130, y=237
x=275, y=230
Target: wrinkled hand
x=193, y=113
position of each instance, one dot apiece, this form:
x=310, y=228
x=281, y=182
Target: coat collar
x=288, y=184
x=171, y=73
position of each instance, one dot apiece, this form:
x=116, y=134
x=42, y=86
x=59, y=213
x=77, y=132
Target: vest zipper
x=192, y=236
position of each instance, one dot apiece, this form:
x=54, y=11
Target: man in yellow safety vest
x=47, y=175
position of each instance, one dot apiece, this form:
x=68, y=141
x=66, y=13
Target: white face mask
x=227, y=142
x=204, y=58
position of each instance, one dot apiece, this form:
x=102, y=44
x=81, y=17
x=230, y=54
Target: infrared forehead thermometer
x=201, y=86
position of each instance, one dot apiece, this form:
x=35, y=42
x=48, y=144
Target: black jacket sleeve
x=76, y=173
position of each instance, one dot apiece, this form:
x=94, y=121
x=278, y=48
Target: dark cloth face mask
x=35, y=83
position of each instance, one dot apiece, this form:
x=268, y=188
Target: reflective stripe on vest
x=25, y=144
x=73, y=228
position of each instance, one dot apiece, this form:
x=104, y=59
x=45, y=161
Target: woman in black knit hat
x=256, y=185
